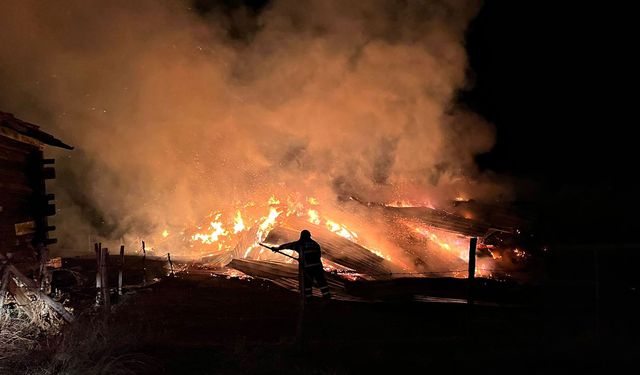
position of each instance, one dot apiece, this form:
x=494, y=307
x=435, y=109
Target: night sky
x=536, y=79
x=545, y=76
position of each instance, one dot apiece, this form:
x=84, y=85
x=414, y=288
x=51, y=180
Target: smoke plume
x=175, y=111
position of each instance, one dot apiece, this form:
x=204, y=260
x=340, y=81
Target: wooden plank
x=34, y=288
x=264, y=268
x=21, y=298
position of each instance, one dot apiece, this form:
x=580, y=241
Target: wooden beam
x=31, y=285
x=473, y=242
x=120, y=271
x=104, y=277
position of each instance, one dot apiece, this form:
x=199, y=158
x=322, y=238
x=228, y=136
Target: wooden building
x=24, y=201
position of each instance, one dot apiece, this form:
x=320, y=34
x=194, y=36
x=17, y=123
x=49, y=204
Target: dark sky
x=540, y=71
x=549, y=78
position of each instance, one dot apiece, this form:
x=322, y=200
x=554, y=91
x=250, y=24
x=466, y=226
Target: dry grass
x=85, y=347
x=90, y=346
x=20, y=334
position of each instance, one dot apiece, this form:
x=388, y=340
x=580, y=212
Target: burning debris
x=421, y=241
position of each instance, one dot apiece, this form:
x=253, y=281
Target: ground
x=203, y=324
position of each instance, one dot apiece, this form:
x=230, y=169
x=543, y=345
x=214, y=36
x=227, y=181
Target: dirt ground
x=204, y=324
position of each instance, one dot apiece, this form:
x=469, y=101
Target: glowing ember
x=519, y=253
x=165, y=233
x=409, y=204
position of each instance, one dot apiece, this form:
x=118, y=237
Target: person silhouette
x=310, y=264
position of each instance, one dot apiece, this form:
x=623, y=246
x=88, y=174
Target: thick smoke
x=175, y=112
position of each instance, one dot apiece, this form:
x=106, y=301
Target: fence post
x=144, y=264
x=105, y=279
x=121, y=270
x=98, y=249
x=473, y=242
x=171, y=273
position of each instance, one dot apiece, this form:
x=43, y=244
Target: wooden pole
x=44, y=272
x=121, y=270
x=473, y=242
x=171, y=273
x=105, y=279
x=144, y=264
x=98, y=250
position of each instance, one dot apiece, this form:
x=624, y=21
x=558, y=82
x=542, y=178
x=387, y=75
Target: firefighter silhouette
x=310, y=264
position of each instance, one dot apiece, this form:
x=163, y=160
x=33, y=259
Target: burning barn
x=25, y=204
x=400, y=240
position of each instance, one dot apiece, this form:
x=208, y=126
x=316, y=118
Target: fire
x=268, y=224
x=445, y=241
x=216, y=232
x=379, y=253
x=314, y=217
x=165, y=233
x=250, y=224
x=341, y=230
x=238, y=225
x=222, y=230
